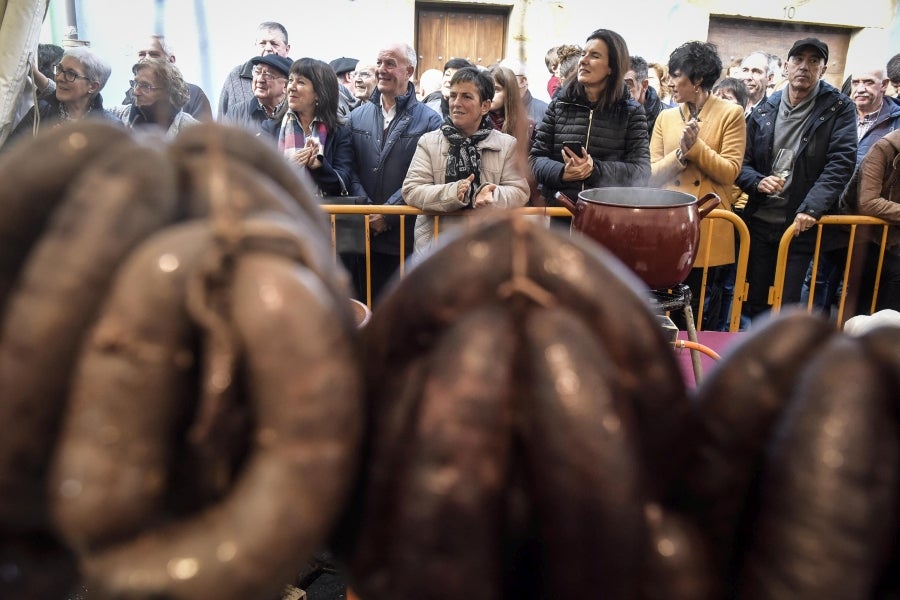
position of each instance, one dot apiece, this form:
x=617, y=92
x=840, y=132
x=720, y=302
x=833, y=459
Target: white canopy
x=20, y=28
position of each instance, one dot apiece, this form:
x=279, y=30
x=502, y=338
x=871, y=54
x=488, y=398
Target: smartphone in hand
x=575, y=148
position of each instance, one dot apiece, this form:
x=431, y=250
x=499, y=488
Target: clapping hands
x=308, y=156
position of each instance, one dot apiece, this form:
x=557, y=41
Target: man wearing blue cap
x=270, y=74
x=271, y=38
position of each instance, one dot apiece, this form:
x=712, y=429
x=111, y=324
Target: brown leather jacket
x=879, y=185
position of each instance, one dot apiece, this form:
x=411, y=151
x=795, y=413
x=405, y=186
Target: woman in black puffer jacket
x=595, y=111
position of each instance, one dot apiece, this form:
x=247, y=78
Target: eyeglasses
x=266, y=76
x=142, y=85
x=363, y=75
x=67, y=74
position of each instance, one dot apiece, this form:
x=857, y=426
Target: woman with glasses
x=72, y=94
x=160, y=93
x=309, y=134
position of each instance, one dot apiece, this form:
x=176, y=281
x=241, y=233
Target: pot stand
x=679, y=298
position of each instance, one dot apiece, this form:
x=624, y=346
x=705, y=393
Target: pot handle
x=567, y=202
x=712, y=199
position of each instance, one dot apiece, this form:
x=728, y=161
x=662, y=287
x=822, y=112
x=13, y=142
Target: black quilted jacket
x=617, y=140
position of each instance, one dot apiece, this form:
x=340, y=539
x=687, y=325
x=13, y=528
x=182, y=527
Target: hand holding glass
x=781, y=167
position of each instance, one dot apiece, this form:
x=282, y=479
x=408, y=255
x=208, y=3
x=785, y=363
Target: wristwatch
x=680, y=156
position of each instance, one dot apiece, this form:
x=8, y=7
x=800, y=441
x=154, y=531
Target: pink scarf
x=291, y=137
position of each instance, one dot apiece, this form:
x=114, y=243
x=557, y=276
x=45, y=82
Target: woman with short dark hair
x=466, y=164
x=698, y=147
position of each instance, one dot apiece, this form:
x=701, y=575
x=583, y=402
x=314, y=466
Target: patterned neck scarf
x=291, y=137
x=464, y=158
x=64, y=111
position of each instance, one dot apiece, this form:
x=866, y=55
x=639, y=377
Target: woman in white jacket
x=466, y=164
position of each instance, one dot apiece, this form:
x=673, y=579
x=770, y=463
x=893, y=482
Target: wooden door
x=474, y=33
x=736, y=38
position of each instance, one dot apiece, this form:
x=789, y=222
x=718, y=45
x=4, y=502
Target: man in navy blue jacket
x=815, y=120
x=384, y=133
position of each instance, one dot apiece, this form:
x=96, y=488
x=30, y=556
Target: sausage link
x=487, y=263
x=32, y=188
x=301, y=368
x=827, y=516
x=737, y=405
x=132, y=396
x=678, y=562
x=449, y=493
x=119, y=200
x=215, y=143
x=615, y=308
x=581, y=448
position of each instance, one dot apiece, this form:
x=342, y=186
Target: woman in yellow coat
x=698, y=146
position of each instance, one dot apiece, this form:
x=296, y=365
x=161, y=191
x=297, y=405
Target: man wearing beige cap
x=817, y=123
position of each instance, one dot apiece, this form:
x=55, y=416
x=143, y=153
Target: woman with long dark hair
x=508, y=113
x=309, y=133
x=596, y=113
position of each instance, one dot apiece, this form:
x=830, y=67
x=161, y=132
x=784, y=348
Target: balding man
x=876, y=113
x=384, y=134
x=756, y=76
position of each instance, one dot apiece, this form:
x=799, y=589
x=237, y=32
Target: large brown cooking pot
x=654, y=232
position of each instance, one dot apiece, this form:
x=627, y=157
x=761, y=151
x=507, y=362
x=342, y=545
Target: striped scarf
x=291, y=137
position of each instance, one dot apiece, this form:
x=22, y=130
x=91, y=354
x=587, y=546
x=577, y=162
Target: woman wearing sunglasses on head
x=72, y=94
x=160, y=93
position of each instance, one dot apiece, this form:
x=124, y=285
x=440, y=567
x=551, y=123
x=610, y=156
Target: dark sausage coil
x=306, y=413
x=572, y=493
x=163, y=405
x=116, y=202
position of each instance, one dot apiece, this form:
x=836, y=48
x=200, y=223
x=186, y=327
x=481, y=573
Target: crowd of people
x=470, y=137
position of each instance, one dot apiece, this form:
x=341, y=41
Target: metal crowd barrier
x=332, y=210
x=852, y=262
x=740, y=279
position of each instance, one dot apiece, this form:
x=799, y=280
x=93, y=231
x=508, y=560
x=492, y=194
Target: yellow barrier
x=404, y=212
x=740, y=288
x=776, y=291
x=740, y=279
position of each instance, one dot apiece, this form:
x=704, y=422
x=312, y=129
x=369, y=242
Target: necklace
x=693, y=109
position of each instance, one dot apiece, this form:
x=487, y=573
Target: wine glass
x=781, y=167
